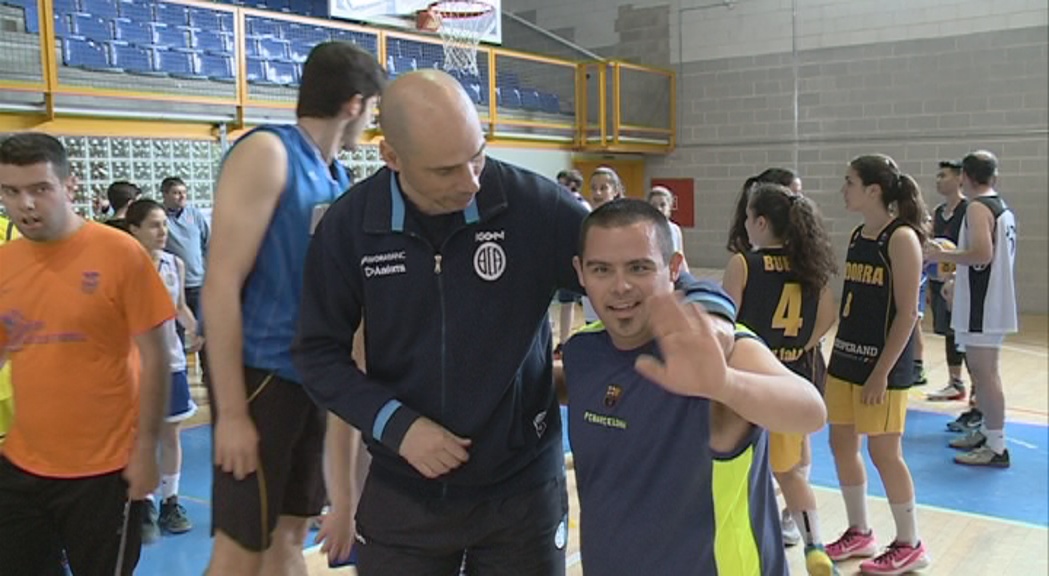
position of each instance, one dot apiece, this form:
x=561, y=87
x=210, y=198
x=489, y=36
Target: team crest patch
x=89, y=282
x=489, y=261
x=612, y=395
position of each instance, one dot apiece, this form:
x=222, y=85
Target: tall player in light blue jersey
x=273, y=188
x=671, y=454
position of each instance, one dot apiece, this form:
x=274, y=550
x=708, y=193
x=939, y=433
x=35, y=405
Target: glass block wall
x=99, y=161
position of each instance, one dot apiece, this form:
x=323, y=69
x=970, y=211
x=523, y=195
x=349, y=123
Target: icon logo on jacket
x=489, y=261
x=612, y=395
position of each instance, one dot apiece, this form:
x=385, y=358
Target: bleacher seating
x=151, y=37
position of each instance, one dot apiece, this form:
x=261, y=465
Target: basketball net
x=462, y=24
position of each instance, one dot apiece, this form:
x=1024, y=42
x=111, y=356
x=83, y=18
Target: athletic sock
x=906, y=517
x=808, y=522
x=995, y=440
x=168, y=486
x=856, y=506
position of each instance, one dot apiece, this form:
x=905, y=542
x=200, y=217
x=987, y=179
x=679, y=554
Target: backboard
x=400, y=14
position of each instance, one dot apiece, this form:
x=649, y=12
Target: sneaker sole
x=868, y=552
x=177, y=531
x=935, y=398
x=966, y=448
x=987, y=465
x=920, y=564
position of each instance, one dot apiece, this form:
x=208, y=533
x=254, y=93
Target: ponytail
x=796, y=222
x=910, y=207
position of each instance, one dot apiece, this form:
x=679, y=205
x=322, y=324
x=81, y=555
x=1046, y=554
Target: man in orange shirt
x=81, y=315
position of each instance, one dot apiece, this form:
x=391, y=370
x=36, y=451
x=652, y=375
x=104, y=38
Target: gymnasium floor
x=974, y=521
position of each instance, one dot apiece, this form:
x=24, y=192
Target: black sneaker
x=919, y=374
x=968, y=420
x=150, y=529
x=173, y=518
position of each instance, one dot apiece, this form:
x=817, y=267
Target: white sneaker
x=791, y=534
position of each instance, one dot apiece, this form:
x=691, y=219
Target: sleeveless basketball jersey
x=985, y=296
x=271, y=292
x=867, y=311
x=776, y=305
x=168, y=271
x=653, y=497
x=944, y=227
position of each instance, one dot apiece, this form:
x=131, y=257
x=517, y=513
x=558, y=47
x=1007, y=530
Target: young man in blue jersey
x=669, y=437
x=450, y=258
x=274, y=186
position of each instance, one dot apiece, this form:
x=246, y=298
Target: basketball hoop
x=462, y=24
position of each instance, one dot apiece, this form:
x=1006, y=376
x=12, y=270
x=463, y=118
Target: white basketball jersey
x=985, y=296
x=168, y=271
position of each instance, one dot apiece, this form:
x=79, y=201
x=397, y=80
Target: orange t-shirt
x=81, y=301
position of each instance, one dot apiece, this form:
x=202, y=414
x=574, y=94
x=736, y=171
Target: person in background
x=120, y=195
x=189, y=233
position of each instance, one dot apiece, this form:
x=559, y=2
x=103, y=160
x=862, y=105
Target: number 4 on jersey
x=787, y=316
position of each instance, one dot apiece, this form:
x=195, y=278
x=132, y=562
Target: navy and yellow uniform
x=867, y=311
x=949, y=227
x=654, y=498
x=782, y=311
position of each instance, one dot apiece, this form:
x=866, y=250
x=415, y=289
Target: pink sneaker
x=898, y=558
x=852, y=544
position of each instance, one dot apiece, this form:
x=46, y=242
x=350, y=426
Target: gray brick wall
x=918, y=101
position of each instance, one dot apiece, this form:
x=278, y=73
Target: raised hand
x=693, y=354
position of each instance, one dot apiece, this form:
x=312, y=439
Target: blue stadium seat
x=530, y=100
x=263, y=27
x=100, y=8
x=369, y=42
x=171, y=37
x=172, y=14
x=133, y=59
x=177, y=63
x=273, y=49
x=135, y=11
x=403, y=64
x=66, y=6
x=298, y=51
x=31, y=13
x=256, y=71
x=62, y=29
x=550, y=103
x=215, y=67
x=281, y=73
x=214, y=20
x=509, y=98
x=133, y=32
x=210, y=42
x=308, y=35
x=86, y=54
x=91, y=28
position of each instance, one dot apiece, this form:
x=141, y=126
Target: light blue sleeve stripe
x=383, y=418
x=396, y=205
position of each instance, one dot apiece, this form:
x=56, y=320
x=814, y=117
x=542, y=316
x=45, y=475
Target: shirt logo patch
x=612, y=395
x=540, y=423
x=489, y=261
x=384, y=264
x=89, y=282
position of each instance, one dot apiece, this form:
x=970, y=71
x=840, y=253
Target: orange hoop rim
x=483, y=8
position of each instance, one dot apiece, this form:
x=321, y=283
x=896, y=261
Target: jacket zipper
x=440, y=297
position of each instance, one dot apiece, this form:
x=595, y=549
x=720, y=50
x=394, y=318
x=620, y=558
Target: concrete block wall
x=920, y=81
